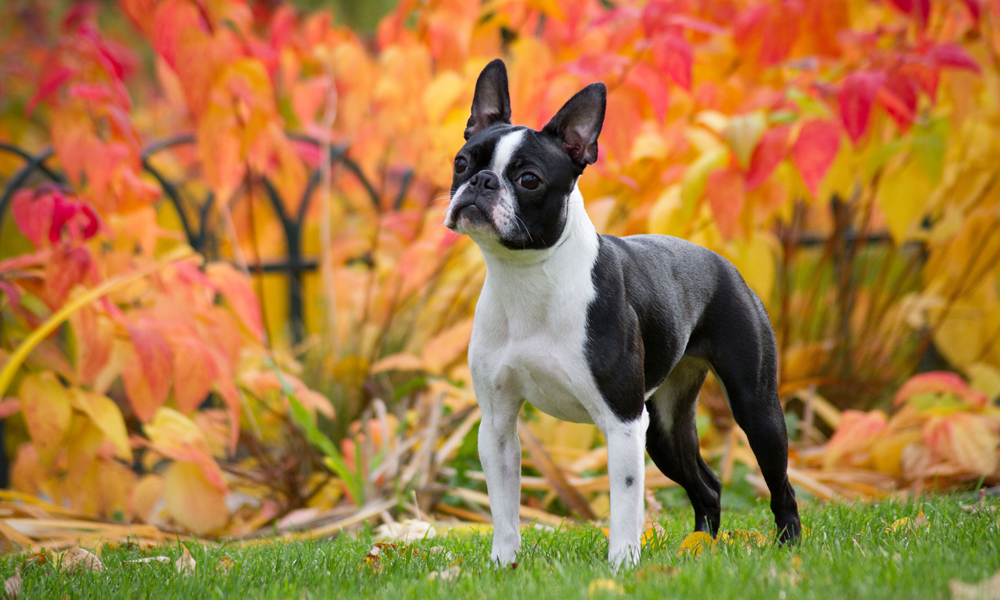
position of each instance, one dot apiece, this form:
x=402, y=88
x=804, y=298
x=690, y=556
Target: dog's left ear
x=578, y=123
x=491, y=104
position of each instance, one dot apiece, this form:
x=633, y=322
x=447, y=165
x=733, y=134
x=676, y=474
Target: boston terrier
x=589, y=328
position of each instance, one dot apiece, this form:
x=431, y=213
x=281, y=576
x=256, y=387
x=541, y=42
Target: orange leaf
x=146, y=372
x=726, y=196
x=238, y=292
x=398, y=362
x=967, y=440
x=195, y=371
x=47, y=411
x=192, y=500
x=855, y=436
x=94, y=334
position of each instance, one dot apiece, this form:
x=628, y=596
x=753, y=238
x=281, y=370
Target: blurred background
x=228, y=304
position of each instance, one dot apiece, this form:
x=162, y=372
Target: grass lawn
x=847, y=553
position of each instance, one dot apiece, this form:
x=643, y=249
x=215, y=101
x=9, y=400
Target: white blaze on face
x=504, y=211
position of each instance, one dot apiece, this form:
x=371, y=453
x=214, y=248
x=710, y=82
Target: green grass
x=847, y=554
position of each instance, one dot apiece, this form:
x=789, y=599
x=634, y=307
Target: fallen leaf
x=988, y=589
x=225, y=564
x=449, y=574
x=748, y=539
x=906, y=524
x=76, y=559
x=12, y=587
x=609, y=586
x=406, y=531
x=186, y=563
x=695, y=543
x=148, y=560
x=653, y=571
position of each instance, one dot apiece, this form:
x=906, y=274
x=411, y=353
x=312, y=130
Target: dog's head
x=512, y=185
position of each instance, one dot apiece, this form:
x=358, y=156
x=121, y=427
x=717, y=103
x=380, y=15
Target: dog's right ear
x=491, y=104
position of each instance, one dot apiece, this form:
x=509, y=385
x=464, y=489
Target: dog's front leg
x=500, y=454
x=627, y=472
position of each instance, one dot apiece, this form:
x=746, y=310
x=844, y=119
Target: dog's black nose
x=485, y=180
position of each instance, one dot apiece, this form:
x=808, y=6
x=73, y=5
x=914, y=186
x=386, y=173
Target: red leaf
x=814, y=151
x=51, y=81
x=917, y=9
x=652, y=84
x=856, y=97
x=33, y=214
x=899, y=97
x=953, y=55
x=939, y=382
x=726, y=195
x=67, y=267
x=771, y=150
x=975, y=9
x=147, y=373
x=674, y=55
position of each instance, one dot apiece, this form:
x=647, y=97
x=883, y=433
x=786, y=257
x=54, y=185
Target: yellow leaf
x=740, y=537
x=549, y=7
x=984, y=378
x=887, y=451
x=695, y=543
x=47, y=410
x=104, y=413
x=696, y=177
x=179, y=438
x=192, y=500
x=902, y=195
x=604, y=586
x=756, y=260
x=442, y=94
x=742, y=132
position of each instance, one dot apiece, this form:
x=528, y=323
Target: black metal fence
x=194, y=213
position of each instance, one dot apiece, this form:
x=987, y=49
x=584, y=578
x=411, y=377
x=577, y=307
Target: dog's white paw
x=504, y=556
x=625, y=556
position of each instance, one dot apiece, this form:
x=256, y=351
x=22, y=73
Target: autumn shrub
x=839, y=152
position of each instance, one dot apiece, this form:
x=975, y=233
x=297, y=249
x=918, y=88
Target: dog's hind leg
x=672, y=441
x=747, y=367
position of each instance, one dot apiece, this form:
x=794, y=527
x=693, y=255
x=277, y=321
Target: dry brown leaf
x=988, y=589
x=225, y=564
x=186, y=563
x=149, y=560
x=12, y=587
x=449, y=574
x=410, y=530
x=77, y=559
x=654, y=571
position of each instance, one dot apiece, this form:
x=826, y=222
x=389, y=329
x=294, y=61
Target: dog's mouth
x=469, y=216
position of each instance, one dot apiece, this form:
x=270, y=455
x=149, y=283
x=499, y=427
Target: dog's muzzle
x=476, y=201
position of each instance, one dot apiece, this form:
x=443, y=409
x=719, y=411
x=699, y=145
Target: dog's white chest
x=530, y=335
x=542, y=371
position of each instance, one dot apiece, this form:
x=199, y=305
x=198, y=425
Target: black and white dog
x=590, y=328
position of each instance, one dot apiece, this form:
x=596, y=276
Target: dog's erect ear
x=578, y=123
x=491, y=104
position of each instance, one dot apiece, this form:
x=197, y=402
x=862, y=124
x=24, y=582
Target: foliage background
x=840, y=152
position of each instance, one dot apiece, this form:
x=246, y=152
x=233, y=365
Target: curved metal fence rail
x=194, y=215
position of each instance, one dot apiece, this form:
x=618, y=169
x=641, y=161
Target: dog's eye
x=461, y=165
x=529, y=181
